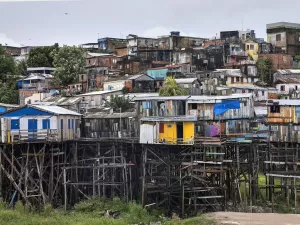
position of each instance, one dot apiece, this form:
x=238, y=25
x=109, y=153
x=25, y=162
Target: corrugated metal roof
x=161, y=98
x=261, y=111
x=230, y=72
x=233, y=96
x=287, y=80
x=140, y=95
x=99, y=93
x=92, y=54
x=185, y=80
x=56, y=110
x=291, y=102
x=195, y=98
x=285, y=72
x=102, y=115
x=135, y=77
x=58, y=100
x=169, y=119
x=251, y=87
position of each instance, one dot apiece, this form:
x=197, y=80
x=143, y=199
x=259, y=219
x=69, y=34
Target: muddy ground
x=232, y=218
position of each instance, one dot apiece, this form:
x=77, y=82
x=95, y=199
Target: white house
x=39, y=122
x=286, y=85
x=259, y=93
x=97, y=99
x=235, y=77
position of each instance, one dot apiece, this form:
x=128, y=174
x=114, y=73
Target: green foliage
x=8, y=92
x=22, y=67
x=264, y=66
x=297, y=58
x=125, y=90
x=117, y=102
x=41, y=56
x=69, y=62
x=7, y=64
x=171, y=88
x=89, y=212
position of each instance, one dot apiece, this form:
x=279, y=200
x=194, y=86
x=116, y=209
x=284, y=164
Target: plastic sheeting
x=226, y=105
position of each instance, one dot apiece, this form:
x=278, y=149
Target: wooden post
x=144, y=158
x=65, y=189
x=1, y=178
x=94, y=182
x=295, y=195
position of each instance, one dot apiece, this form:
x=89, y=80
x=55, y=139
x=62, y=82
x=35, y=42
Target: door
x=180, y=132
x=32, y=129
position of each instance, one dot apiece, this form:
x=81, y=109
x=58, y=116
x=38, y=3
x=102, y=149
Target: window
x=194, y=106
x=61, y=124
x=252, y=79
x=232, y=80
x=248, y=47
x=296, y=87
x=251, y=47
x=212, y=59
x=278, y=37
x=15, y=124
x=282, y=88
x=46, y=124
x=275, y=109
x=69, y=124
x=237, y=79
x=73, y=124
x=81, y=77
x=263, y=93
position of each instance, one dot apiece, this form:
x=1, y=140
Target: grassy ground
x=91, y=213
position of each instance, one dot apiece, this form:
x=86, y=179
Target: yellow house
x=174, y=130
x=252, y=50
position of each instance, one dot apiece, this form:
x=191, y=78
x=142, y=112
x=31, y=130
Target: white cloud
x=160, y=31
x=4, y=40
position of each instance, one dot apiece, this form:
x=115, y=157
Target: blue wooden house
x=39, y=122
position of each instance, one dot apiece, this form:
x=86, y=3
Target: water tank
x=175, y=33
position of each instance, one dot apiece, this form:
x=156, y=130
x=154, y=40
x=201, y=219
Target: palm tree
x=171, y=88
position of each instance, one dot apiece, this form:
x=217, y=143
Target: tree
x=41, y=56
x=171, y=88
x=117, y=102
x=7, y=64
x=22, y=67
x=8, y=92
x=69, y=62
x=264, y=66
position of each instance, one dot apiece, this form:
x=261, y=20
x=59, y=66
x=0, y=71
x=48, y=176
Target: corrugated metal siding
x=110, y=127
x=282, y=133
x=148, y=133
x=287, y=115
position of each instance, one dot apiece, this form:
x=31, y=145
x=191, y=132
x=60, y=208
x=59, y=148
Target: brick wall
x=279, y=61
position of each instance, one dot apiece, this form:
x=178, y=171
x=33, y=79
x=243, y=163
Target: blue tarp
x=158, y=74
x=226, y=105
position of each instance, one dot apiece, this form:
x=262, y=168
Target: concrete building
x=285, y=37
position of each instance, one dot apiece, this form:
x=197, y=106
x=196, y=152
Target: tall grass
x=90, y=212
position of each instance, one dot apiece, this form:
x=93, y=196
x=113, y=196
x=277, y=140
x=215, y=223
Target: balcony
x=38, y=86
x=238, y=53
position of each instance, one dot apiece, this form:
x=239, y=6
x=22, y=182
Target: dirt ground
x=231, y=218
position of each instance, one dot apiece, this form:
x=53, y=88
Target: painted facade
x=178, y=120
x=252, y=50
x=31, y=123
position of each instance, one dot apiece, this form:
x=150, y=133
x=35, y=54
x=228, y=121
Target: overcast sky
x=32, y=22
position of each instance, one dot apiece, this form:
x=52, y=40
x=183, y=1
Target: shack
x=39, y=122
x=284, y=120
x=103, y=124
